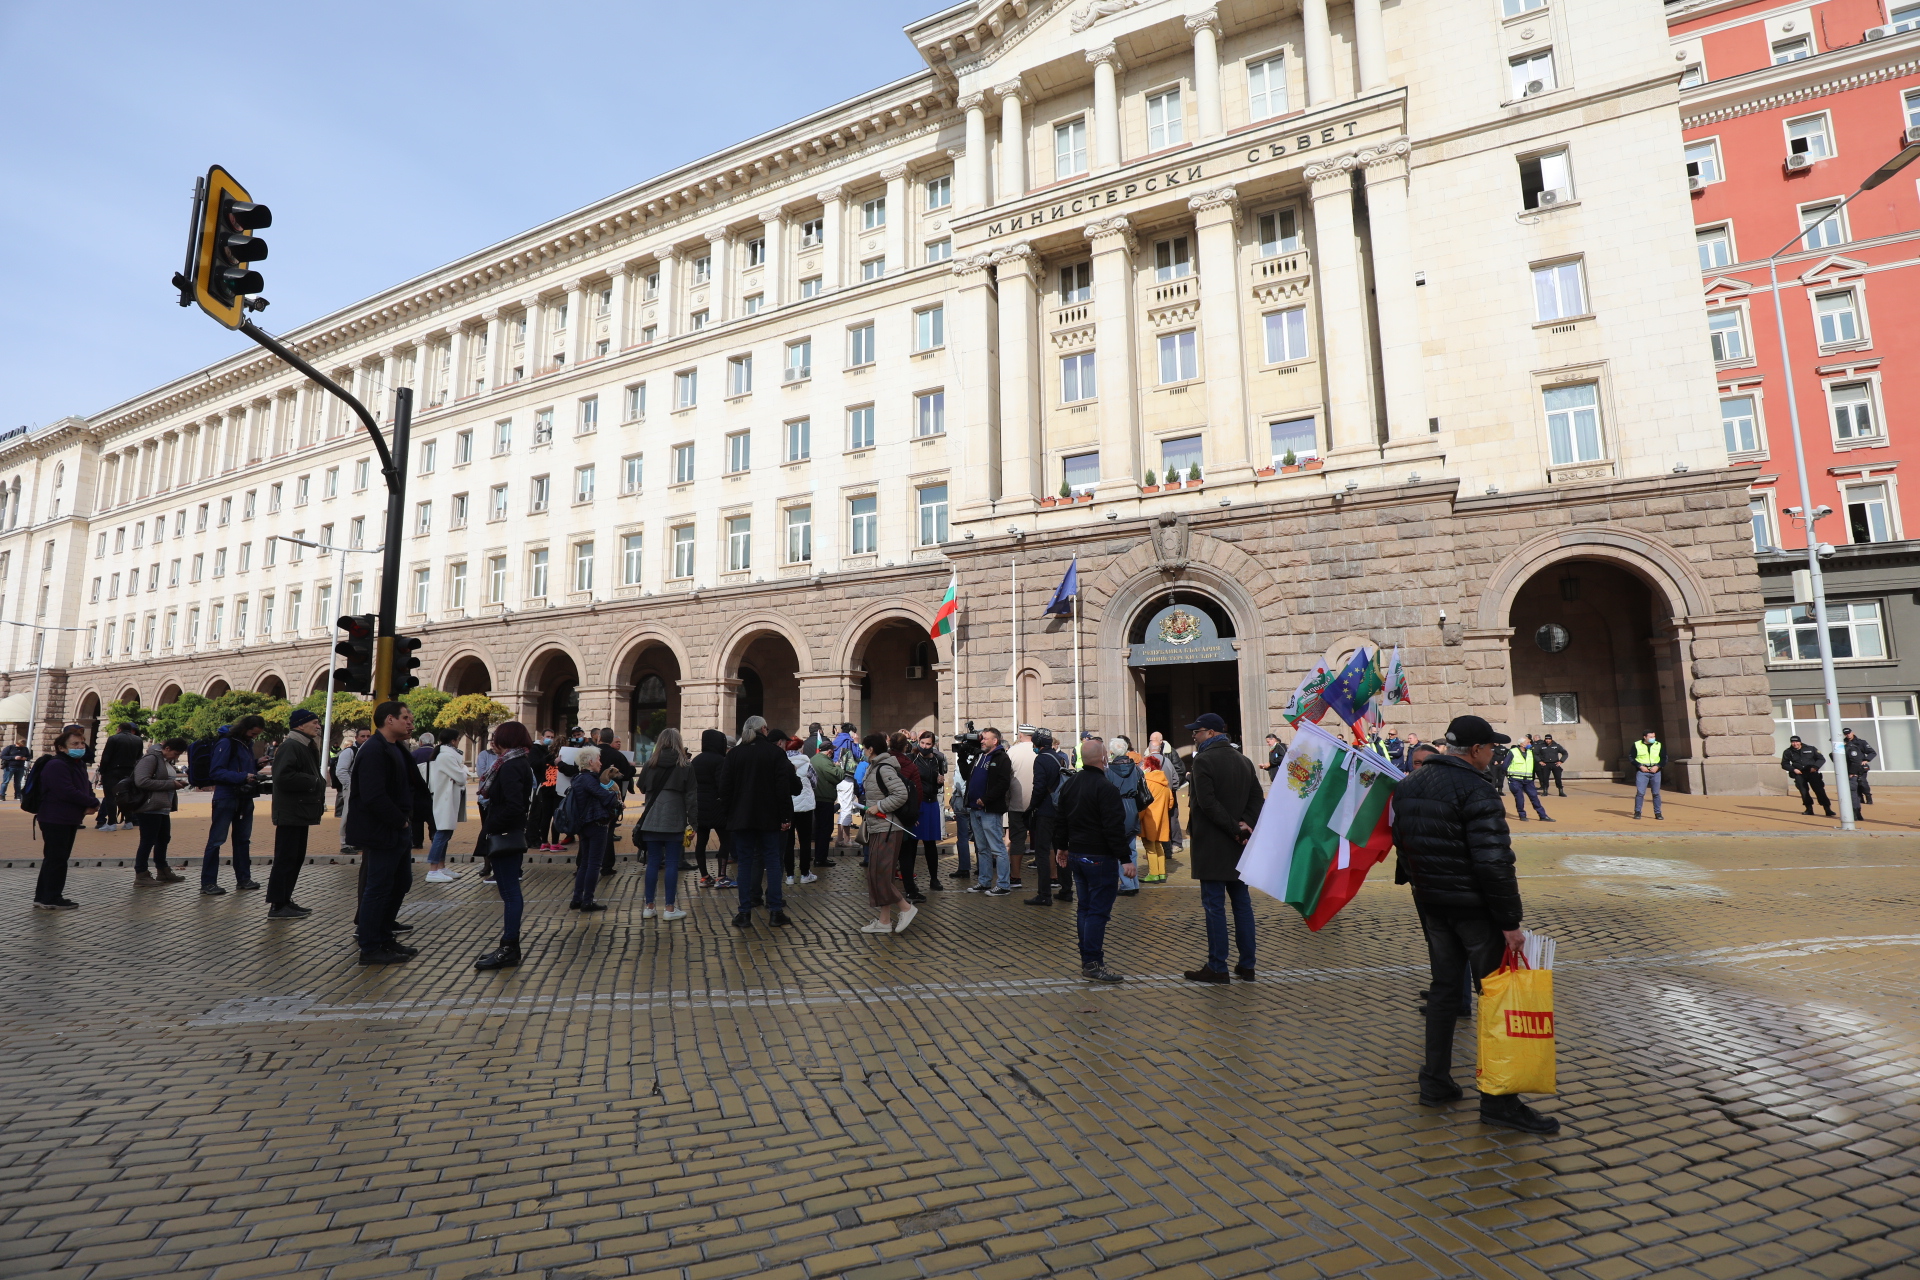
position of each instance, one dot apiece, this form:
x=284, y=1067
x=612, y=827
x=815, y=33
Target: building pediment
x=989, y=42
x=1724, y=287
x=1833, y=267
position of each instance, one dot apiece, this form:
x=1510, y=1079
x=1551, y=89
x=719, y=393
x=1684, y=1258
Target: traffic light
x=357, y=649
x=404, y=665
x=223, y=249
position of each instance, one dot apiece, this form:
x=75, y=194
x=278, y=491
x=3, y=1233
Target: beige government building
x=1304, y=325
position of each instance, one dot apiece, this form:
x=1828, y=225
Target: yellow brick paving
x=191, y=1090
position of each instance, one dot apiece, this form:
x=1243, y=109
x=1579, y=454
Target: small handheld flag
x=1068, y=593
x=949, y=606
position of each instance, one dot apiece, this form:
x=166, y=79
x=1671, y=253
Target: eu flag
x=1345, y=696
x=1069, y=591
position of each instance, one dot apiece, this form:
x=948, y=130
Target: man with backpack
x=234, y=773
x=117, y=759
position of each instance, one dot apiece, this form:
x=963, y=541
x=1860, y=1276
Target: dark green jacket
x=299, y=789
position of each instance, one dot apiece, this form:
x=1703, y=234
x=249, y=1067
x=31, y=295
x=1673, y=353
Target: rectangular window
x=1267, y=88
x=226, y=511
x=740, y=451
x=583, y=566
x=631, y=564
x=1911, y=102
x=799, y=522
x=812, y=287
x=462, y=448
x=1077, y=377
x=1903, y=15
x=200, y=518
x=246, y=562
x=702, y=269
x=1070, y=148
x=1076, y=283
x=757, y=251
x=1180, y=458
x=1279, y=233
x=1761, y=517
x=799, y=440
x=1736, y=420
x=220, y=563
x=537, y=574
x=873, y=268
x=698, y=320
x=543, y=427
x=873, y=214
x=1703, y=161
x=1792, y=50
x=173, y=571
x=1716, y=247
x=429, y=456
x=1823, y=225
x=1853, y=411
x=740, y=376
x=754, y=302
x=929, y=328
x=589, y=416
x=1558, y=292
x=939, y=192
x=632, y=471
x=930, y=413
x=266, y=621
x=860, y=427
x=799, y=361
x=1179, y=357
x=1172, y=259
x=683, y=464
x=864, y=516
x=458, y=515
x=503, y=437
x=1727, y=333
x=496, y=579
x=1547, y=172
x=939, y=250
x=497, y=502
x=1080, y=472
x=636, y=401
x=1559, y=708
x=1166, y=126
x=1692, y=75
x=1854, y=631
x=649, y=334
x=1810, y=136
x=1286, y=335
x=1531, y=73
x=325, y=539
x=860, y=345
x=247, y=505
x=422, y=587
x=1573, y=423
x=932, y=501
x=422, y=519
x=354, y=590
x=1514, y=8
x=650, y=285
x=219, y=618
x=1838, y=319
x=683, y=551
x=457, y=584
x=686, y=389
x=813, y=233
x=739, y=544
x=540, y=493
x=583, y=481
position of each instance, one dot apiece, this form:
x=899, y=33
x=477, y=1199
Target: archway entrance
x=273, y=686
x=769, y=683
x=88, y=717
x=169, y=694
x=652, y=675
x=900, y=689
x=469, y=675
x=218, y=689
x=554, y=692
x=1183, y=663
x=1592, y=661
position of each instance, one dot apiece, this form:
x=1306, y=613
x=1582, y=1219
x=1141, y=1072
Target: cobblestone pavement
x=193, y=1090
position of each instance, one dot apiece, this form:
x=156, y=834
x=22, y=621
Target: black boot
x=1436, y=1076
x=1507, y=1111
x=504, y=956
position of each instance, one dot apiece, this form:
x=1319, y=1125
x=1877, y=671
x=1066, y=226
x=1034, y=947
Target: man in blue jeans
x=1222, y=812
x=14, y=759
x=987, y=788
x=757, y=787
x=1090, y=836
x=233, y=769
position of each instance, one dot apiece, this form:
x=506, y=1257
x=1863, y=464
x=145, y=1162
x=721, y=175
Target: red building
x=1785, y=110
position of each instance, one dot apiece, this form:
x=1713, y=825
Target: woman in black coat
x=507, y=793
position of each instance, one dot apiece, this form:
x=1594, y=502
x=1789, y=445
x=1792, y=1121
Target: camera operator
x=966, y=753
x=237, y=779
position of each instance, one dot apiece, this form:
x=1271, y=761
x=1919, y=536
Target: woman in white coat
x=446, y=776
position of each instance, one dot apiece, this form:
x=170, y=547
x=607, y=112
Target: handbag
x=1516, y=1029
x=502, y=843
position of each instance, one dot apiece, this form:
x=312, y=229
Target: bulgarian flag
x=949, y=605
x=1325, y=825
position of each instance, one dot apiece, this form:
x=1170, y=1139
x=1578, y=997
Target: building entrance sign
x=1181, y=633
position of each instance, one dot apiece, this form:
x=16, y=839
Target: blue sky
x=387, y=138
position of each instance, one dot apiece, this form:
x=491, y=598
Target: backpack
x=570, y=816
x=200, y=762
x=910, y=774
x=128, y=796
x=30, y=790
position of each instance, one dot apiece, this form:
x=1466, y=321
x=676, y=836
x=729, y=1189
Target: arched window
x=59, y=481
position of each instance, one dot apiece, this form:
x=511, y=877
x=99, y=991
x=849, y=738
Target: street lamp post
x=39, y=664
x=339, y=600
x=1807, y=513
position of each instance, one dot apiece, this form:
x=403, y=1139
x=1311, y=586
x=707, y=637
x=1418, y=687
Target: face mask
x=78, y=753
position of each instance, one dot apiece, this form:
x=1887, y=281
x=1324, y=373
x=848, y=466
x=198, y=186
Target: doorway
x=1184, y=664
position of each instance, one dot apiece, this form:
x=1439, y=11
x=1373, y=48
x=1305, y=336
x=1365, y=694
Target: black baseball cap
x=1208, y=720
x=1794, y=738
x=1472, y=731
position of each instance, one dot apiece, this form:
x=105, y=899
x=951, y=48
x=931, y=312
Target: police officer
x=1802, y=764
x=1649, y=759
x=1520, y=770
x=1548, y=756
x=1860, y=756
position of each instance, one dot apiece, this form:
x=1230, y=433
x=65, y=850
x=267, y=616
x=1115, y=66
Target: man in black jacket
x=378, y=822
x=1548, y=757
x=1451, y=829
x=1048, y=767
x=1802, y=764
x=1090, y=832
x=1857, y=751
x=757, y=787
x=117, y=759
x=707, y=764
x=1224, y=808
x=987, y=787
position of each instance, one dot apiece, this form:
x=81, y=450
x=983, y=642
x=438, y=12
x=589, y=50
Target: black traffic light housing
x=222, y=250
x=404, y=665
x=357, y=649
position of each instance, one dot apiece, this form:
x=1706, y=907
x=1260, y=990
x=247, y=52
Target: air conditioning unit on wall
x=916, y=673
x=1799, y=160
x=1557, y=196
x=1695, y=182
x=1879, y=33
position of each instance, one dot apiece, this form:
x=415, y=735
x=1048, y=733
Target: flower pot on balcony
x=1047, y=502
x=1312, y=464
x=1265, y=471
x=1289, y=470
x=1083, y=497
x=1149, y=488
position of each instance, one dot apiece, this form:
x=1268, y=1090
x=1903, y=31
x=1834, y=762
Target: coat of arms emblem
x=1179, y=627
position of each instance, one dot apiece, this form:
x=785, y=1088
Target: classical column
x=617, y=326
x=973, y=167
x=1319, y=52
x=1216, y=223
x=1396, y=300
x=974, y=412
x=1205, y=27
x=1022, y=459
x=899, y=217
x=668, y=265
x=1106, y=108
x=579, y=320
x=1370, y=41
x=1116, y=377
x=1346, y=356
x=533, y=351
x=773, y=226
x=832, y=203
x=1013, y=139
x=720, y=264
x=456, y=369
x=830, y=697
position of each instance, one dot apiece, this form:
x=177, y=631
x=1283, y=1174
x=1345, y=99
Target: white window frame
x=1166, y=118
x=583, y=565
x=1278, y=231
x=1710, y=161
x=930, y=414
x=682, y=545
x=1720, y=351
x=1836, y=216
x=1070, y=147
x=1722, y=232
x=939, y=190
x=799, y=361
x=1178, y=259
x=1559, y=708
x=1179, y=354
x=683, y=463
x=588, y=421
x=930, y=328
x=863, y=430
x=584, y=479
x=1284, y=335
x=632, y=473
x=1829, y=145
x=1855, y=310
x=1791, y=49
x=686, y=389
x=931, y=523
x=940, y=250
x=797, y=439
x=739, y=452
x=539, y=565
x=798, y=539
x=739, y=376
x=636, y=402
x=861, y=350
x=1552, y=283
x=863, y=524
x=497, y=502
x=1845, y=619
x=633, y=547
x=1079, y=378
x=1066, y=468
x=1871, y=384
x=539, y=493
x=1525, y=68
x=1735, y=448
x=1260, y=100
x=1571, y=427
x=873, y=214
x=739, y=531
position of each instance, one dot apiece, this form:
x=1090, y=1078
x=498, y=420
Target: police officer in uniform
x=1520, y=771
x=1802, y=764
x=1859, y=754
x=1548, y=756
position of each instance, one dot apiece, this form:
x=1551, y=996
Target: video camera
x=968, y=741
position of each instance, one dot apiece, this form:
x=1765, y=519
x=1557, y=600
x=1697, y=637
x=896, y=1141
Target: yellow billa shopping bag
x=1516, y=1030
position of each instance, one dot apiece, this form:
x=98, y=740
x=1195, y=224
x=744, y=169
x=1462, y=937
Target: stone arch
x=216, y=687
x=317, y=682
x=1653, y=562
x=128, y=694
x=169, y=693
x=648, y=666
x=86, y=714
x=549, y=685
x=270, y=683
x=887, y=647
x=753, y=674
x=465, y=671
x=744, y=631
x=859, y=627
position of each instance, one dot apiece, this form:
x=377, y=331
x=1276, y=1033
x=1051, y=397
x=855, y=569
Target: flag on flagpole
x=1307, y=702
x=1068, y=593
x=949, y=606
x=1349, y=692
x=1326, y=824
x=1396, y=691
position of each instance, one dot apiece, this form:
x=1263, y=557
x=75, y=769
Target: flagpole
x=1013, y=601
x=1078, y=701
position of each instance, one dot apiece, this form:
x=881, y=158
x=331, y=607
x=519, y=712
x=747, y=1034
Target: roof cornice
x=1770, y=88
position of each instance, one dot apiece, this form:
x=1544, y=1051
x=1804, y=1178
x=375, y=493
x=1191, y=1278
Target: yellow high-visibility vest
x=1522, y=762
x=1646, y=753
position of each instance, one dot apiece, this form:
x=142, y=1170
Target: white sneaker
x=907, y=913
x=876, y=926
x=673, y=913
x=809, y=878
x=646, y=913
x=789, y=879
x=441, y=877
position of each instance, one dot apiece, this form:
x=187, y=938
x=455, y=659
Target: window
x=1076, y=283
x=1853, y=630
x=683, y=551
x=702, y=269
x=1736, y=419
x=799, y=361
x=812, y=287
x=740, y=451
x=1692, y=74
x=541, y=493
x=649, y=334
x=1810, y=136
x=932, y=502
x=503, y=437
x=1081, y=472
x=537, y=574
x=1548, y=171
x=1760, y=515
x=1715, y=245
x=650, y=285
x=422, y=519
x=226, y=517
x=1557, y=291
x=1853, y=411
x=1179, y=358
x=939, y=250
x=1531, y=73
x=1703, y=161
x=864, y=516
x=246, y=562
x=1912, y=100
x=740, y=376
x=1297, y=436
x=354, y=589
x=462, y=448
x=1867, y=514
x=458, y=519
x=496, y=579
x=247, y=504
x=1076, y=377
x=301, y=488
x=429, y=456
x=1267, y=88
x=929, y=328
x=1904, y=17
x=939, y=192
x=683, y=464
x=873, y=268
x=583, y=566
x=813, y=233
x=1166, y=127
x=497, y=502
x=636, y=401
x=173, y=570
x=1888, y=721
x=755, y=301
x=1792, y=50
x=193, y=626
x=632, y=472
x=293, y=615
x=589, y=416
x=200, y=518
x=173, y=629
x=422, y=588
x=873, y=214
x=1279, y=233
x=1823, y=224
x=266, y=621
x=219, y=619
x=1559, y=708
x=757, y=251
x=799, y=534
x=583, y=478
x=860, y=427
x=1070, y=148
x=457, y=585
x=698, y=320
x=930, y=413
x=1172, y=259
x=543, y=427
x=272, y=555
x=1839, y=321
x=94, y=596
x=799, y=440
x=630, y=562
x=860, y=346
x=1727, y=333
x=686, y=389
x=739, y=543
x=1180, y=458
x=1573, y=423
x=1286, y=335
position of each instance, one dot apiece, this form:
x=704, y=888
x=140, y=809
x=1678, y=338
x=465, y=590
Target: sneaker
x=211, y=891
x=976, y=888
x=288, y=911
x=646, y=913
x=809, y=878
x=248, y=884
x=789, y=879
x=706, y=882
x=915, y=897
x=1100, y=973
x=724, y=883
x=906, y=918
x=999, y=893
x=1206, y=975
x=673, y=913
x=1659, y=817
x=64, y=904
x=438, y=876
x=488, y=880
x=743, y=920
x=871, y=926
